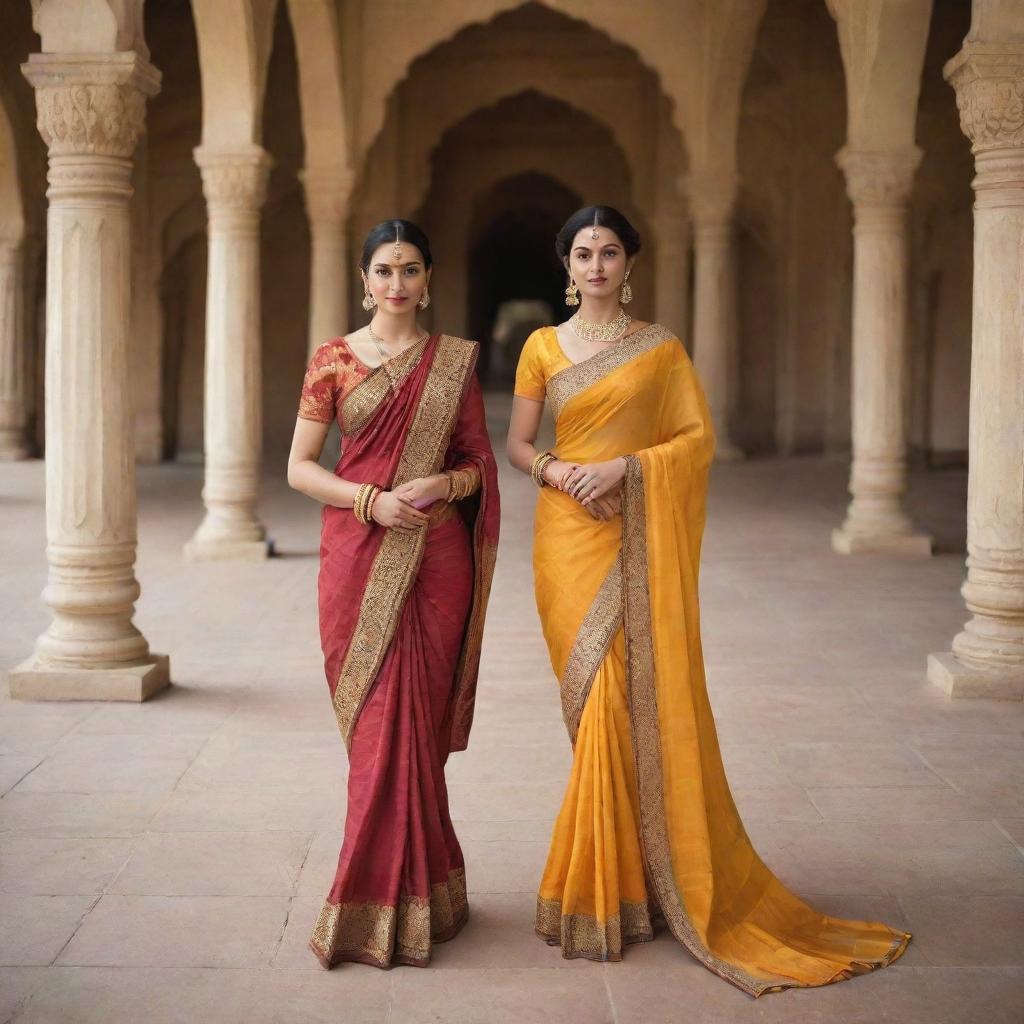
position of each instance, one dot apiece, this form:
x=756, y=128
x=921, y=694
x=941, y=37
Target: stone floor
x=165, y=862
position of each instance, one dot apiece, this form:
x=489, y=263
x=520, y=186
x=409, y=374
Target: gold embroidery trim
x=575, y=379
x=365, y=398
x=584, y=935
x=593, y=641
x=398, y=558
x=642, y=697
x=380, y=933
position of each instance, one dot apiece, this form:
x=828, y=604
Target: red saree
x=401, y=620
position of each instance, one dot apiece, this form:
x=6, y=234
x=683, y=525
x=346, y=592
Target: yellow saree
x=648, y=829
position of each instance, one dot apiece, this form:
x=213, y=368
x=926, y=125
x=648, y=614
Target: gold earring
x=626, y=292
x=424, y=300
x=572, y=294
x=369, y=302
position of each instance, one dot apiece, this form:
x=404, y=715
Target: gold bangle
x=539, y=464
x=371, y=498
x=363, y=500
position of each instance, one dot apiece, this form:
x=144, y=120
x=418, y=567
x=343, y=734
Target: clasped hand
x=595, y=485
x=401, y=509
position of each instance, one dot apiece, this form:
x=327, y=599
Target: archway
x=502, y=182
x=512, y=259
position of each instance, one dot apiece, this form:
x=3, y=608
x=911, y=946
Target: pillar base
x=917, y=545
x=960, y=680
x=132, y=683
x=228, y=550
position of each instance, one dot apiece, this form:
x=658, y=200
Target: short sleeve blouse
x=332, y=373
x=540, y=360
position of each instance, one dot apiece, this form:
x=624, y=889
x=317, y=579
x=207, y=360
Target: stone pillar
x=987, y=657
x=91, y=110
x=879, y=185
x=712, y=200
x=330, y=271
x=235, y=184
x=14, y=383
x=672, y=273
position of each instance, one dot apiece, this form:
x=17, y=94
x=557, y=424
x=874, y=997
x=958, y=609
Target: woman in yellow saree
x=648, y=829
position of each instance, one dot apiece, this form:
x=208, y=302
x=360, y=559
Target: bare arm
x=305, y=474
x=522, y=432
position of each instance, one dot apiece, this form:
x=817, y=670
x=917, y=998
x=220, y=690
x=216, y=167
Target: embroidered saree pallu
x=401, y=620
x=648, y=829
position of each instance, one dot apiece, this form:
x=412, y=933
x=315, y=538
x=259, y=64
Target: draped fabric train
x=648, y=830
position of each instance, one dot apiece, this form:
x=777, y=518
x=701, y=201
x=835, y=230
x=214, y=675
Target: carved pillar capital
x=234, y=179
x=91, y=105
x=712, y=196
x=989, y=84
x=879, y=177
x=327, y=193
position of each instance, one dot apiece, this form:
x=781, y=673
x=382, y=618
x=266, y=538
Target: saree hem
x=381, y=934
x=585, y=936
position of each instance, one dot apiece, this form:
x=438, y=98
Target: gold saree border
x=586, y=936
x=381, y=934
x=578, y=377
x=642, y=698
x=593, y=641
x=464, y=694
x=364, y=399
x=398, y=558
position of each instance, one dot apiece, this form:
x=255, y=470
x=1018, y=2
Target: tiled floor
x=165, y=862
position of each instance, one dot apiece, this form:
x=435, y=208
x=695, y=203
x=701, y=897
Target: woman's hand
x=605, y=508
x=556, y=471
x=424, y=490
x=396, y=513
x=594, y=479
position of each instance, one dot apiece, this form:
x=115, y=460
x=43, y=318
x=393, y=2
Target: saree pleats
x=401, y=619
x=593, y=898
x=648, y=828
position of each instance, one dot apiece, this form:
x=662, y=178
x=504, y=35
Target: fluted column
x=234, y=183
x=987, y=657
x=327, y=192
x=879, y=185
x=91, y=110
x=14, y=385
x=712, y=201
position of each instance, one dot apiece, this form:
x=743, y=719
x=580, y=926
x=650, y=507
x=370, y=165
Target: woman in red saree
x=410, y=530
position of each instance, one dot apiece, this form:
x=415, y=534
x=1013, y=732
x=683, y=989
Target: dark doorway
x=515, y=273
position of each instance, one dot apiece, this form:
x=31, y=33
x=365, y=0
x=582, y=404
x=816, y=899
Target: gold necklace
x=379, y=342
x=611, y=331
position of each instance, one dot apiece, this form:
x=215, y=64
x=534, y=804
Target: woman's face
x=598, y=266
x=396, y=281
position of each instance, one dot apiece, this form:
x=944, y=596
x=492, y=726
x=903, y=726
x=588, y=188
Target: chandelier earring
x=626, y=292
x=424, y=300
x=369, y=302
x=572, y=294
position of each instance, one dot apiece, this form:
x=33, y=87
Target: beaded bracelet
x=539, y=464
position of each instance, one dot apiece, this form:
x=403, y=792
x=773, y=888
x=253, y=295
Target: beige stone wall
x=438, y=141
